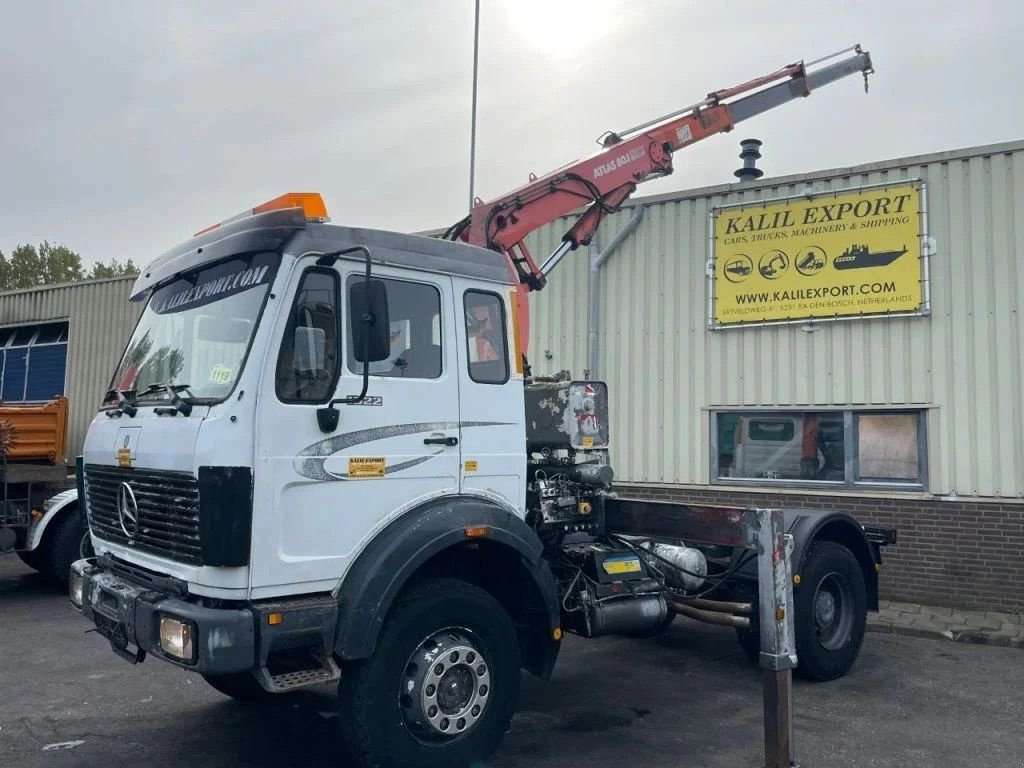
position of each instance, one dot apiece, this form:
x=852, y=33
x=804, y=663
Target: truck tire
x=750, y=638
x=441, y=686
x=830, y=612
x=62, y=545
x=827, y=642
x=33, y=559
x=240, y=686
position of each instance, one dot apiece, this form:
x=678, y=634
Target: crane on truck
x=627, y=158
x=420, y=548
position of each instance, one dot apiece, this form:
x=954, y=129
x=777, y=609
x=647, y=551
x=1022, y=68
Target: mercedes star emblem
x=128, y=511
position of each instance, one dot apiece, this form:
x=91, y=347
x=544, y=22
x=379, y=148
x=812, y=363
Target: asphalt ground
x=688, y=698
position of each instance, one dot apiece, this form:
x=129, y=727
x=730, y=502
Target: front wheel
x=240, y=686
x=441, y=686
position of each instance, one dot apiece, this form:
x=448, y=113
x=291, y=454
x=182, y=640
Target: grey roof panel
x=413, y=251
x=289, y=229
x=263, y=232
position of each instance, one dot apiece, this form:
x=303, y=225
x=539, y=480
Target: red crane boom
x=607, y=178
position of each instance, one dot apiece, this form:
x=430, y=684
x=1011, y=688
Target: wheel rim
x=833, y=611
x=446, y=686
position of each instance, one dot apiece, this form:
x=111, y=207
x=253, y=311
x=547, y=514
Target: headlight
x=75, y=582
x=176, y=638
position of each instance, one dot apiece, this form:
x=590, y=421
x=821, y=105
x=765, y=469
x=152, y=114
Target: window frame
x=504, y=337
x=332, y=389
x=851, y=450
x=9, y=332
x=357, y=277
x=922, y=450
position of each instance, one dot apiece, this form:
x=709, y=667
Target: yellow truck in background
x=39, y=516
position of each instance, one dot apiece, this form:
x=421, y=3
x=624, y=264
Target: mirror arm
x=329, y=424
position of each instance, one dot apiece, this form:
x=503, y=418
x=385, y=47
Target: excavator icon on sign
x=773, y=264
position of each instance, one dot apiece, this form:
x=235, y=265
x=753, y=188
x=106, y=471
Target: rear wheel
x=830, y=614
x=33, y=559
x=62, y=545
x=442, y=685
x=749, y=638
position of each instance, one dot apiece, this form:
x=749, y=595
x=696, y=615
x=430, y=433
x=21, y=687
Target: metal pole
x=778, y=641
x=472, y=129
x=597, y=259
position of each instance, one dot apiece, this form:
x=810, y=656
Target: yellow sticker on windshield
x=366, y=466
x=220, y=374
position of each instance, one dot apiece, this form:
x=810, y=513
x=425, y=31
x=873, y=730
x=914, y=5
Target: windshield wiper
x=124, y=405
x=179, y=404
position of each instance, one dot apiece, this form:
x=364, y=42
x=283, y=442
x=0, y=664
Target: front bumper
x=128, y=615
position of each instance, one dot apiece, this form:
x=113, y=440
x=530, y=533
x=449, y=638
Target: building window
x=840, y=448
x=414, y=310
x=486, y=339
x=33, y=362
x=307, y=365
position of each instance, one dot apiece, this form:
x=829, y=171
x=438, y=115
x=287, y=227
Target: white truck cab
x=308, y=420
x=259, y=343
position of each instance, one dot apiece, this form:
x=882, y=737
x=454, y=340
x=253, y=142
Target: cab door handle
x=449, y=441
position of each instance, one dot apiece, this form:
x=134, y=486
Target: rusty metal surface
x=778, y=717
x=40, y=430
x=708, y=617
x=740, y=609
x=706, y=524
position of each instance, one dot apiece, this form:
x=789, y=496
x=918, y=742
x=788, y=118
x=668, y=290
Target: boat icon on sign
x=861, y=256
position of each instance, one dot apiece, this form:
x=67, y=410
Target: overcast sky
x=127, y=126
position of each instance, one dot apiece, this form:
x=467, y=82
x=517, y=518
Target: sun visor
x=262, y=232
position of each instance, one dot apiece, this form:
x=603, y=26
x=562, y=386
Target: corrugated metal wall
x=101, y=320
x=665, y=369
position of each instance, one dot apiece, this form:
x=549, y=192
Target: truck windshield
x=195, y=332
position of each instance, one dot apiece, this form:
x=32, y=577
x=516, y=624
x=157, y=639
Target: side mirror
x=327, y=417
x=371, y=326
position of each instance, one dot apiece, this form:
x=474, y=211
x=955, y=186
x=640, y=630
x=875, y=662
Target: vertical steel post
x=472, y=127
x=778, y=642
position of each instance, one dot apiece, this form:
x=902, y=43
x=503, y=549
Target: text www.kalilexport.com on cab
x=805, y=294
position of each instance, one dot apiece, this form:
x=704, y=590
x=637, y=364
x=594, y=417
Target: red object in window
x=128, y=378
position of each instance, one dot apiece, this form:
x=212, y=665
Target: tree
x=59, y=264
x=29, y=266
x=114, y=269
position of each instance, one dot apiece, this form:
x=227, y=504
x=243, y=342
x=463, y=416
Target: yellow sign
x=471, y=465
x=836, y=254
x=366, y=466
x=612, y=567
x=220, y=374
x=124, y=457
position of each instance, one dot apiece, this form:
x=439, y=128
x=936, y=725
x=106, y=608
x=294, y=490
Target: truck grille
x=168, y=510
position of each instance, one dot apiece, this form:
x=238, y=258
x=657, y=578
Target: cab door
x=492, y=402
x=325, y=494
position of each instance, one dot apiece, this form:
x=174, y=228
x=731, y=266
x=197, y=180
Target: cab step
x=283, y=682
